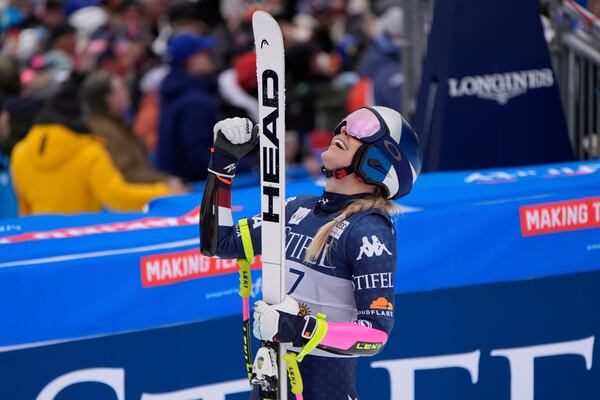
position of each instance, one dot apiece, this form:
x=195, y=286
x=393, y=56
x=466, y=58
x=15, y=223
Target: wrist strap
x=317, y=336
x=310, y=327
x=246, y=239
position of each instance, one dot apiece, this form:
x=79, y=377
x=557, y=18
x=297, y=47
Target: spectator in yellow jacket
x=58, y=170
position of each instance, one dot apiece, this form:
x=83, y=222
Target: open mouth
x=339, y=144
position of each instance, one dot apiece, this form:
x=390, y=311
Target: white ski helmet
x=390, y=157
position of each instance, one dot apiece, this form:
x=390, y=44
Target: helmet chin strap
x=339, y=173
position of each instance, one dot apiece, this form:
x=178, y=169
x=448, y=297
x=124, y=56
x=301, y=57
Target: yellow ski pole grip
x=245, y=281
x=320, y=332
x=293, y=373
x=244, y=263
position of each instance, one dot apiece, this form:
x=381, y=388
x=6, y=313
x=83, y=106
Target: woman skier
x=340, y=247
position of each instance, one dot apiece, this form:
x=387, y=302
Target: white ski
x=271, y=98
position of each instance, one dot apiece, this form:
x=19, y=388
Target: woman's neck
x=347, y=185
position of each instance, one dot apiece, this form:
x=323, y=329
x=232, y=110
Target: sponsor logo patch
x=304, y=310
x=365, y=323
x=377, y=313
x=381, y=303
x=299, y=215
x=338, y=229
x=367, y=346
x=372, y=248
x=256, y=221
x=562, y=216
x=381, y=280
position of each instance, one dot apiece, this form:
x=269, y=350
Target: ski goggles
x=363, y=124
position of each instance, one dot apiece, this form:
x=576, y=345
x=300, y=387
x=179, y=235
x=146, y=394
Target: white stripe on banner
x=95, y=254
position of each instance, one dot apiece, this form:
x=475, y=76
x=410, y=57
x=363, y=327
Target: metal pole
x=580, y=105
x=590, y=107
x=596, y=89
x=570, y=103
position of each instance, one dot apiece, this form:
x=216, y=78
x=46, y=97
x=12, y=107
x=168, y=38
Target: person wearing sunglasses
x=340, y=246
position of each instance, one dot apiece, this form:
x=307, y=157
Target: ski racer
x=340, y=247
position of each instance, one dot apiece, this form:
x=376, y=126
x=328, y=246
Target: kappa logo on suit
x=372, y=248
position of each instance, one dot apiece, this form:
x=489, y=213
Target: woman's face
x=118, y=99
x=340, y=151
x=200, y=64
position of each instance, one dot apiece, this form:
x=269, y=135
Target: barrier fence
x=576, y=59
x=418, y=16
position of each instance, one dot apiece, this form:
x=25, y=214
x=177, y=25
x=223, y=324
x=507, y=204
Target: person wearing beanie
x=188, y=109
x=61, y=48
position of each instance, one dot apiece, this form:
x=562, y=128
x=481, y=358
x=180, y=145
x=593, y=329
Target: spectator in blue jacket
x=188, y=109
x=383, y=67
x=382, y=62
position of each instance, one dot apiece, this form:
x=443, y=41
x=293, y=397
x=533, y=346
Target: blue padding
x=457, y=229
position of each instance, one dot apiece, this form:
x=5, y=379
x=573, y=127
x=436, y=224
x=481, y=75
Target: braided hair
x=387, y=207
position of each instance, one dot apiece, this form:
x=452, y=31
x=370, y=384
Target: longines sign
x=501, y=87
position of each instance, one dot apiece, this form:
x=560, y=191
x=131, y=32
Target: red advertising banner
x=561, y=216
x=169, y=268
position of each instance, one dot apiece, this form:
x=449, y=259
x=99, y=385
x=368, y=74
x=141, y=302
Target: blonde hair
x=316, y=246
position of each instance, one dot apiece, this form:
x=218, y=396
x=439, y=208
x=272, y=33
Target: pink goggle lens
x=362, y=124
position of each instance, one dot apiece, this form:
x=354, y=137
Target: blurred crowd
x=106, y=104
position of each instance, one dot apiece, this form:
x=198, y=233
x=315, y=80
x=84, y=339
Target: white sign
x=501, y=87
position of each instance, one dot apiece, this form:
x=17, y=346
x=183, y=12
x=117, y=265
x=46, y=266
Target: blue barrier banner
x=495, y=267
x=488, y=95
x=494, y=342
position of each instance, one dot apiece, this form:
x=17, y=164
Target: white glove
x=237, y=130
x=267, y=318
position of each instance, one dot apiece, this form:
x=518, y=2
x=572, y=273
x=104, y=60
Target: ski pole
x=294, y=375
x=245, y=291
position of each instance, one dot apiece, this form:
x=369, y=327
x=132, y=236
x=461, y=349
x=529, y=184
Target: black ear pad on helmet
x=358, y=159
x=358, y=163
